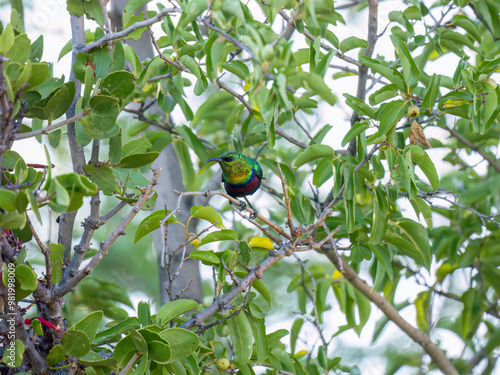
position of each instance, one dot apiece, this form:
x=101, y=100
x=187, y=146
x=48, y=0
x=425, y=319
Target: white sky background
x=51, y=19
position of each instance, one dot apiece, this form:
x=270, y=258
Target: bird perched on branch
x=241, y=176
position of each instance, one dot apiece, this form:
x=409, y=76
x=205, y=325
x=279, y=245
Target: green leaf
x=56, y=355
x=131, y=7
x=94, y=359
x=75, y=343
x=159, y=352
x=472, y=313
x=14, y=353
x=139, y=341
x=242, y=335
x=105, y=110
x=456, y=38
x=122, y=327
x=207, y=213
x=354, y=131
x=410, y=70
x=56, y=252
x=182, y=342
x=194, y=68
x=37, y=327
x=59, y=101
x=103, y=177
x=382, y=255
x=221, y=235
x=136, y=145
x=12, y=220
x=89, y=324
x=89, y=84
x=389, y=114
x=138, y=160
x=193, y=141
x=422, y=306
x=7, y=198
x=26, y=281
x=431, y=93
x=323, y=171
x=260, y=350
x=359, y=106
x=316, y=84
x=119, y=84
x=56, y=272
x=206, y=257
x=186, y=163
x=390, y=73
x=420, y=157
x=379, y=217
x=151, y=223
x=351, y=43
x=174, y=308
x=7, y=39
x=93, y=11
x=418, y=237
x=238, y=68
x=313, y=152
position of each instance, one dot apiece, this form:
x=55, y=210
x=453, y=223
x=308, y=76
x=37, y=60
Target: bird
x=241, y=176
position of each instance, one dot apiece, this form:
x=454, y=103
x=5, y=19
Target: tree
x=377, y=213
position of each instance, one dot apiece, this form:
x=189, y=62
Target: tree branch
x=138, y=25
x=492, y=161
x=436, y=354
x=49, y=128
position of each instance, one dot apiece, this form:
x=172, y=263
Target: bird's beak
x=218, y=159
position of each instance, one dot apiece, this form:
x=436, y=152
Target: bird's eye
x=230, y=158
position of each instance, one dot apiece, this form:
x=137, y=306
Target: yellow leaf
x=300, y=353
x=263, y=242
x=336, y=274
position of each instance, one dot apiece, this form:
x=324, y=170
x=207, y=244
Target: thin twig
x=138, y=25
x=326, y=47
x=287, y=203
x=71, y=283
x=492, y=161
x=49, y=128
x=157, y=48
x=45, y=252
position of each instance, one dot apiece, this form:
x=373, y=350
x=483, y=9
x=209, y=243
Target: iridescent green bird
x=241, y=175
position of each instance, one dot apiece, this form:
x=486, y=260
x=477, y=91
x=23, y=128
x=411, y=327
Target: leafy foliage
x=385, y=201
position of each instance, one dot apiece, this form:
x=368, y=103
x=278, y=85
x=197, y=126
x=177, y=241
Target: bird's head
x=226, y=159
x=235, y=166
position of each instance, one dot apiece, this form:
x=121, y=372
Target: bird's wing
x=258, y=170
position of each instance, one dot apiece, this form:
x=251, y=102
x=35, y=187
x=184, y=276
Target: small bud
x=222, y=364
x=195, y=242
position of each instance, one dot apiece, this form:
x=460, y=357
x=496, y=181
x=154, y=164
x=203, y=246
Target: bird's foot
x=242, y=207
x=254, y=215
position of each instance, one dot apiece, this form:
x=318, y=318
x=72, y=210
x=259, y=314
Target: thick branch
x=393, y=315
x=363, y=70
